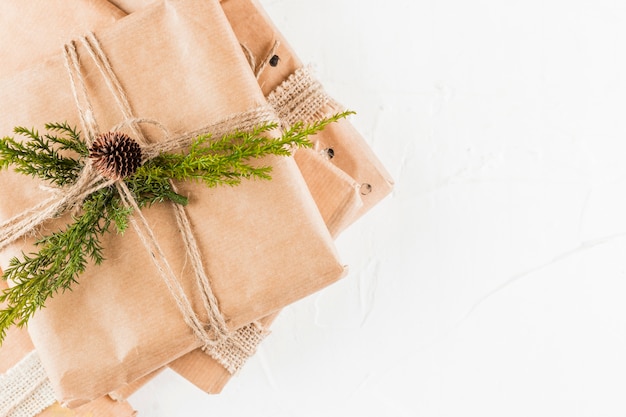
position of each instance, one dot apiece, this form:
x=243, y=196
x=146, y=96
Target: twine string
x=217, y=328
x=53, y=206
x=87, y=119
x=90, y=181
x=216, y=324
x=146, y=235
x=93, y=47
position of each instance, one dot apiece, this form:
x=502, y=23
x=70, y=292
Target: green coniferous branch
x=39, y=158
x=150, y=190
x=64, y=255
x=61, y=258
x=72, y=141
x=228, y=160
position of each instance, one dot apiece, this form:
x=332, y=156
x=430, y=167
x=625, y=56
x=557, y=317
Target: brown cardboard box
x=265, y=242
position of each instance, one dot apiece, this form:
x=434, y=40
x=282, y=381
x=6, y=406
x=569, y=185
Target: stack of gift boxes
x=168, y=68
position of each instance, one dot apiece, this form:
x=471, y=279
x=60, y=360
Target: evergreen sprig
x=62, y=257
x=58, y=157
x=42, y=156
x=227, y=160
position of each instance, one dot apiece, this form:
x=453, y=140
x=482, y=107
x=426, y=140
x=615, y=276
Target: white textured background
x=492, y=282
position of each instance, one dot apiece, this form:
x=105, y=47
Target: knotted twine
x=214, y=335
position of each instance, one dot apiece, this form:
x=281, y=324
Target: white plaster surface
x=492, y=282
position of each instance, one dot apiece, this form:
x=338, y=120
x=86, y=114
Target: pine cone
x=115, y=154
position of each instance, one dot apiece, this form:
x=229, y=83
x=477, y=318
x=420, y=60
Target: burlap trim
x=233, y=352
x=25, y=390
x=301, y=98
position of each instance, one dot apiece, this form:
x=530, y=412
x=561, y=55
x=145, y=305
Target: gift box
x=265, y=242
x=336, y=193
x=22, y=48
x=52, y=26
x=344, y=176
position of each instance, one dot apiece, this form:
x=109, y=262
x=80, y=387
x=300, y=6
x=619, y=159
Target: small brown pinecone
x=115, y=155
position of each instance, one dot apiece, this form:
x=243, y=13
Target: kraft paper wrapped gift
x=352, y=162
x=333, y=192
x=351, y=166
x=55, y=26
x=264, y=242
x=33, y=396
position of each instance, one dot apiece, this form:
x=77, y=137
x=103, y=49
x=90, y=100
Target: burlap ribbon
x=302, y=98
x=25, y=391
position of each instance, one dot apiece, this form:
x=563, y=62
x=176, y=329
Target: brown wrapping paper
x=336, y=193
x=262, y=253
x=36, y=28
x=123, y=392
x=131, y=6
x=17, y=345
